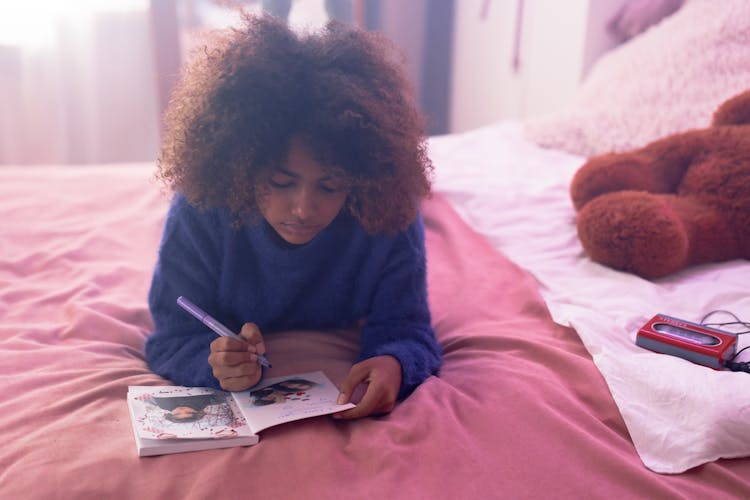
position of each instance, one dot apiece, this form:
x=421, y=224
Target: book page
x=284, y=399
x=169, y=412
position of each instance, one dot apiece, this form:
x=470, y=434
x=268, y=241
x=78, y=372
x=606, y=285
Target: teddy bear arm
x=656, y=168
x=607, y=173
x=618, y=172
x=669, y=158
x=735, y=111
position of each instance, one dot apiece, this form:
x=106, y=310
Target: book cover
x=175, y=419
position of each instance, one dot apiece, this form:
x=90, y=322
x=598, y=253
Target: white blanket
x=679, y=414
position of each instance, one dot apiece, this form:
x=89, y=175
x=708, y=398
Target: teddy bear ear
x=735, y=111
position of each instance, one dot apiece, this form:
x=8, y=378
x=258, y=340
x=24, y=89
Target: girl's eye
x=280, y=184
x=330, y=189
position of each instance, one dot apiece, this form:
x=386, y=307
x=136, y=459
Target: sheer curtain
x=86, y=81
x=77, y=82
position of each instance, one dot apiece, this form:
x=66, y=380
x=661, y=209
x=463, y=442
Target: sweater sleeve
x=188, y=264
x=399, y=323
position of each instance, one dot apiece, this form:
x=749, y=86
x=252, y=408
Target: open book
x=175, y=419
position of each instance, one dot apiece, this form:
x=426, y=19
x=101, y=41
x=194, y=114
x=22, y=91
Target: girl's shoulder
x=182, y=211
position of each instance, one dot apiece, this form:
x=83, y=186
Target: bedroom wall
x=515, y=59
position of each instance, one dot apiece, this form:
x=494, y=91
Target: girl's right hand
x=235, y=362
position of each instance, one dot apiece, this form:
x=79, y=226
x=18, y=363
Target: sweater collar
x=278, y=252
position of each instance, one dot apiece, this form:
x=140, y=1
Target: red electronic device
x=697, y=343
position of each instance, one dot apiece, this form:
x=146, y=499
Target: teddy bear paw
x=634, y=231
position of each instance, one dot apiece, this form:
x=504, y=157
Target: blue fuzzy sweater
x=246, y=275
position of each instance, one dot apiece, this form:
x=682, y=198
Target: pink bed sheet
x=518, y=410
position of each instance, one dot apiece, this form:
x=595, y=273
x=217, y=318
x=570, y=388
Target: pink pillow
x=669, y=79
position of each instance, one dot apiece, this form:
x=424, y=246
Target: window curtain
x=77, y=82
x=87, y=81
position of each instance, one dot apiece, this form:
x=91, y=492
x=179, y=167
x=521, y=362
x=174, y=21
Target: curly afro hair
x=340, y=89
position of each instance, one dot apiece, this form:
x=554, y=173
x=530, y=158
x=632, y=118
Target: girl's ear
x=353, y=202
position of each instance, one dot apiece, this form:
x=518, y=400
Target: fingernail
x=342, y=399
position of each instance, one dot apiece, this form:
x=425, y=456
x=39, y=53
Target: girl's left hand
x=382, y=374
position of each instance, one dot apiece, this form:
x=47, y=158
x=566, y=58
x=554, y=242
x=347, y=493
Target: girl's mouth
x=300, y=230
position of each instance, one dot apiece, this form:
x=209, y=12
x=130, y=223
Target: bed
x=542, y=391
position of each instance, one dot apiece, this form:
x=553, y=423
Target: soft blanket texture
x=518, y=410
x=679, y=414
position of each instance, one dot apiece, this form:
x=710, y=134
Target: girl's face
x=297, y=386
x=184, y=412
x=300, y=198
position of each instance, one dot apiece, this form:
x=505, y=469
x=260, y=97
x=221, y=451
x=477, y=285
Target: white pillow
x=668, y=79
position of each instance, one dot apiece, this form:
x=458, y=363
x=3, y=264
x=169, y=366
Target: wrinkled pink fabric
x=518, y=411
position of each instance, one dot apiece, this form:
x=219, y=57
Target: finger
x=373, y=402
x=357, y=374
x=231, y=358
x=363, y=409
x=251, y=333
x=227, y=344
x=237, y=383
x=242, y=370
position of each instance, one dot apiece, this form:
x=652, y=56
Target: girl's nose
x=304, y=204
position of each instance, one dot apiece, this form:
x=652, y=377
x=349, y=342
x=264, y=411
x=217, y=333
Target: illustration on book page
x=187, y=413
x=284, y=399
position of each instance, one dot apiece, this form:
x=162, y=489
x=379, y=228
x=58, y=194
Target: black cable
x=728, y=323
x=738, y=352
x=715, y=311
x=738, y=366
x=735, y=366
x=737, y=321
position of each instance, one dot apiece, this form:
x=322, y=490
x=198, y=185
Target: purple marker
x=214, y=325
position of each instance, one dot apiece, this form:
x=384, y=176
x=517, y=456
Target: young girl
x=298, y=163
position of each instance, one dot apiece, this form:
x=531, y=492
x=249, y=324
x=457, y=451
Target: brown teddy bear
x=677, y=202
